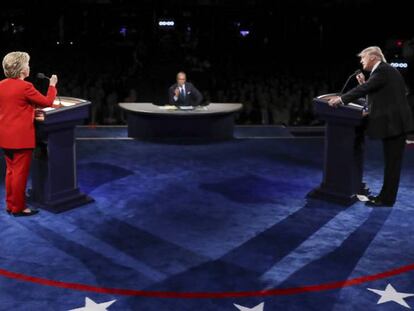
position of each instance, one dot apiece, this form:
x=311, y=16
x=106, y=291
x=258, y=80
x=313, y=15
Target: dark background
x=114, y=51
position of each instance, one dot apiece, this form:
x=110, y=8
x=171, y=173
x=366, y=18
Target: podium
x=54, y=183
x=344, y=152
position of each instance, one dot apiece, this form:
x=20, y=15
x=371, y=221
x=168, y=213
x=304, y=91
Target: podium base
x=334, y=197
x=63, y=204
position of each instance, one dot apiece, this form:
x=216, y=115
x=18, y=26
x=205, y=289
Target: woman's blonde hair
x=14, y=63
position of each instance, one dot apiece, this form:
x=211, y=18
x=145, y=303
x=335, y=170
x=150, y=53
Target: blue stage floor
x=177, y=227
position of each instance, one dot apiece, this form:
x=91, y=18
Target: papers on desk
x=168, y=107
x=63, y=102
x=187, y=108
x=355, y=105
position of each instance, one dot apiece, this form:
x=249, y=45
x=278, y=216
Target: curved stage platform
x=209, y=226
x=212, y=122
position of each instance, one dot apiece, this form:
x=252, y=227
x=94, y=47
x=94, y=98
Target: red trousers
x=17, y=172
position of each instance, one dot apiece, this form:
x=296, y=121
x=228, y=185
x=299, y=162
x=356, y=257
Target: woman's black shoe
x=22, y=214
x=373, y=197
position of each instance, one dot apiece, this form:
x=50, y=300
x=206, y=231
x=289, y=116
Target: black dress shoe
x=22, y=213
x=377, y=202
x=8, y=211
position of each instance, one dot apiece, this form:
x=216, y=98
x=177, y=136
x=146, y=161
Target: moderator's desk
x=212, y=122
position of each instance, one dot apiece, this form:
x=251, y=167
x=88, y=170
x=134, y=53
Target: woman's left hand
x=39, y=115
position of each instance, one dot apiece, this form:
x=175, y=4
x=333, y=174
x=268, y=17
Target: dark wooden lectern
x=54, y=184
x=344, y=152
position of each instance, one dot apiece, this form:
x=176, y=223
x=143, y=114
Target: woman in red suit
x=18, y=101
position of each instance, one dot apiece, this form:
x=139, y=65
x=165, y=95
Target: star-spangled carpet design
x=214, y=226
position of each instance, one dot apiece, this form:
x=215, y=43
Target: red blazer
x=18, y=100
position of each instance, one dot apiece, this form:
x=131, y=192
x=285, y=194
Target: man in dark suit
x=184, y=93
x=389, y=117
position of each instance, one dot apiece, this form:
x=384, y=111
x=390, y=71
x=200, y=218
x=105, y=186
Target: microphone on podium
x=358, y=71
x=41, y=75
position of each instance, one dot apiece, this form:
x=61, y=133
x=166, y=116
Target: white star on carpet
x=257, y=308
x=390, y=294
x=91, y=305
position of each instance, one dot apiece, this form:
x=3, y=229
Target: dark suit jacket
x=192, y=98
x=389, y=112
x=18, y=100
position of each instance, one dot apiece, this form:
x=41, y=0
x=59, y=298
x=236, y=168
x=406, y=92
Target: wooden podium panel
x=54, y=183
x=344, y=152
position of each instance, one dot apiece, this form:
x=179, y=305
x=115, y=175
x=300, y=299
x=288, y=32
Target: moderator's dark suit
x=389, y=119
x=192, y=96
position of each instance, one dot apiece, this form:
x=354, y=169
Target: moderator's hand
x=177, y=92
x=53, y=80
x=57, y=106
x=361, y=78
x=335, y=101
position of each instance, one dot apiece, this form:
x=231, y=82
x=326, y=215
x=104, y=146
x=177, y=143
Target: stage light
x=57, y=42
x=166, y=23
x=123, y=31
x=399, y=65
x=244, y=33
x=399, y=43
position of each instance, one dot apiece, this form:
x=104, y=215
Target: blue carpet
x=239, y=131
x=215, y=218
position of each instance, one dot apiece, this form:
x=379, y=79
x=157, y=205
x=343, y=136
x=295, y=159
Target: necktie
x=182, y=92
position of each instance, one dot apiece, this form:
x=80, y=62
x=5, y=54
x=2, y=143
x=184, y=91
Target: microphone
x=41, y=75
x=358, y=71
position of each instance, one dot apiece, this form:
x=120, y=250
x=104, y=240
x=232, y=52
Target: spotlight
x=399, y=64
x=123, y=31
x=244, y=33
x=166, y=23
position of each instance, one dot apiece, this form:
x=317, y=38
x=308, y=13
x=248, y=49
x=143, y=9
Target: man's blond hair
x=14, y=63
x=373, y=50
